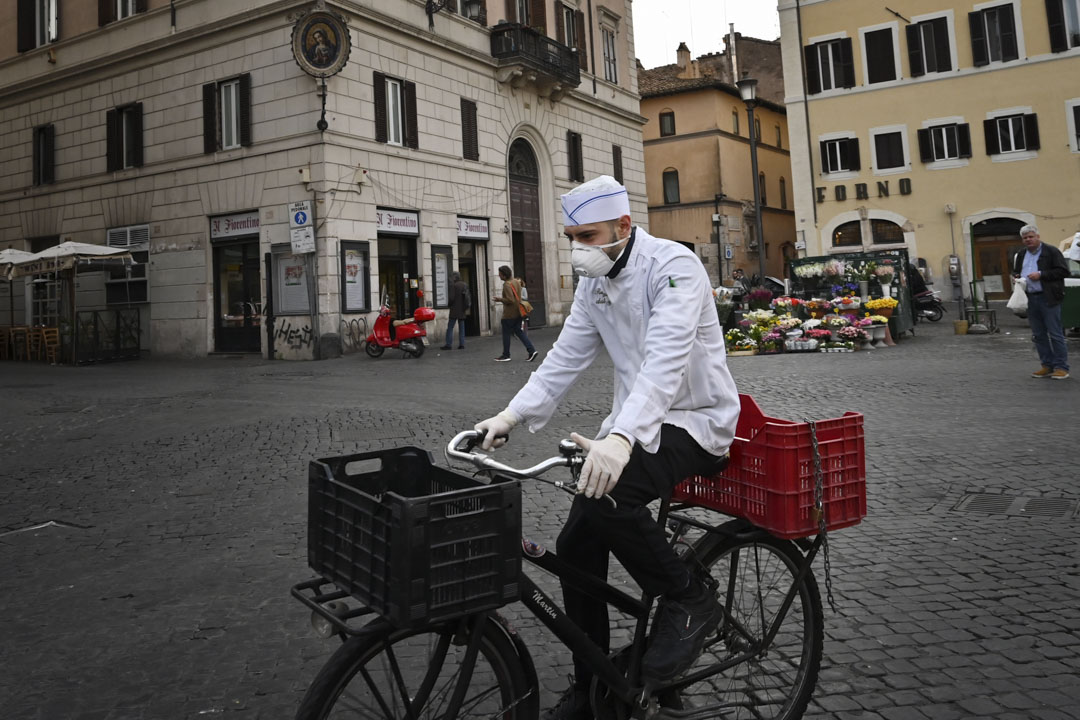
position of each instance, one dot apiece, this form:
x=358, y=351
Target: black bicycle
x=443, y=651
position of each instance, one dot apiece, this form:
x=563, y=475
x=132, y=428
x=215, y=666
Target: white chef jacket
x=657, y=319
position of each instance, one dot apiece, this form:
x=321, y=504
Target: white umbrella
x=8, y=258
x=66, y=255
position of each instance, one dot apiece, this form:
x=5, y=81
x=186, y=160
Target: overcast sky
x=660, y=25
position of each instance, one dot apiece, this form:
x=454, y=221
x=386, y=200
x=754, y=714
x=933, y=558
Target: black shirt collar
x=624, y=257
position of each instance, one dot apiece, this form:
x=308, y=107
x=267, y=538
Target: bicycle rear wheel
x=392, y=674
x=774, y=683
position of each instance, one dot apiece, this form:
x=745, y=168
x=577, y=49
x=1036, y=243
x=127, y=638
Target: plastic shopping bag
x=1018, y=302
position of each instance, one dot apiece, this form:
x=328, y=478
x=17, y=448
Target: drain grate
x=1019, y=506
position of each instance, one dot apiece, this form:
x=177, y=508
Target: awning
x=67, y=255
x=11, y=256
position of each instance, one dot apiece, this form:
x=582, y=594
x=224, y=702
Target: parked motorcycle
x=407, y=335
x=928, y=305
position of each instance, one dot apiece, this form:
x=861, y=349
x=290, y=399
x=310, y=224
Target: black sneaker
x=680, y=629
x=573, y=705
x=446, y=347
x=532, y=355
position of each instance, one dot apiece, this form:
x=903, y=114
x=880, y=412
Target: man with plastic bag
x=648, y=303
x=1043, y=269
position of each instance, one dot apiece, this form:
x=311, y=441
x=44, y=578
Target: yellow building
x=698, y=174
x=939, y=127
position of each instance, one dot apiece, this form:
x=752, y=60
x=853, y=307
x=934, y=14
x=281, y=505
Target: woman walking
x=512, y=316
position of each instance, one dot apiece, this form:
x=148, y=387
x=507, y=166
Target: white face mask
x=590, y=260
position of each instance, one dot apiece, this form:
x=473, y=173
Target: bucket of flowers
x=817, y=308
x=846, y=303
x=759, y=299
x=852, y=334
x=883, y=306
x=835, y=321
x=771, y=343
x=738, y=342
x=884, y=275
x=724, y=303
x=835, y=268
x=786, y=323
x=785, y=304
x=818, y=335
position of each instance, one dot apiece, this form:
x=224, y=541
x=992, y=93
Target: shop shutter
x=963, y=140
x=980, y=54
x=583, y=58
x=470, y=145
x=1055, y=18
x=852, y=146
x=538, y=16
x=847, y=60
x=1008, y=33
x=813, y=70
x=993, y=143
x=244, y=111
x=616, y=162
x=926, y=147
x=26, y=35
x=1031, y=132
x=209, y=117
x=112, y=140
x=378, y=84
x=411, y=135
x=106, y=12
x=137, y=133
x=914, y=51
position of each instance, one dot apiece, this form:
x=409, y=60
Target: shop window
x=945, y=142
x=112, y=10
x=355, y=277
x=227, y=114
x=671, y=186
x=993, y=35
x=880, y=55
x=928, y=47
x=1011, y=133
x=848, y=235
x=470, y=138
x=575, y=159
x=395, y=111
x=291, y=276
x=667, y=124
x=126, y=285
x=840, y=155
x=44, y=151
x=616, y=163
x=829, y=65
x=124, y=137
x=885, y=232
x=442, y=264
x=38, y=24
x=1063, y=17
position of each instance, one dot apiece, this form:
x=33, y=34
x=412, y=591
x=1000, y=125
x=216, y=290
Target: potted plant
x=738, y=342
x=759, y=299
x=883, y=306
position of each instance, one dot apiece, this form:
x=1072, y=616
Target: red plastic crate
x=770, y=478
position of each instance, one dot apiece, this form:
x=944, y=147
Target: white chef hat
x=1073, y=253
x=602, y=198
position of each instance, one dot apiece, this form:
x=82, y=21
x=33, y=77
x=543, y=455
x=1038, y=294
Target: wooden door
x=525, y=226
x=993, y=259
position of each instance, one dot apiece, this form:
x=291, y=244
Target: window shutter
x=412, y=138
x=378, y=84
x=26, y=39
x=853, y=154
x=980, y=54
x=914, y=50
x=824, y=157
x=1031, y=132
x=926, y=148
x=48, y=165
x=483, y=15
x=847, y=60
x=511, y=11
x=813, y=71
x=1055, y=18
x=583, y=58
x=880, y=56
x=616, y=163
x=941, y=44
x=538, y=13
x=244, y=111
x=470, y=145
x=140, y=6
x=112, y=140
x=106, y=12
x=560, y=26
x=1008, y=33
x=209, y=117
x=137, y=132
x=36, y=139
x=963, y=140
x=993, y=143
x=573, y=142
x=1076, y=122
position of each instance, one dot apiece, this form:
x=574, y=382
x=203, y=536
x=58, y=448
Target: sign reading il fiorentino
x=397, y=221
x=468, y=227
x=321, y=43
x=226, y=226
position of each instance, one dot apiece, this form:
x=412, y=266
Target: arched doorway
x=528, y=257
x=995, y=242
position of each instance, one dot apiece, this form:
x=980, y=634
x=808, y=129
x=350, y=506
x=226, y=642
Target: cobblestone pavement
x=177, y=493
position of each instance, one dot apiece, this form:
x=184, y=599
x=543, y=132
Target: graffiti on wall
x=295, y=337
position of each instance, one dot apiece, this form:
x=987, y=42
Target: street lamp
x=748, y=90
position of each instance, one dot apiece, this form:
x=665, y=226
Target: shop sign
x=397, y=221
x=472, y=228
x=862, y=192
x=226, y=226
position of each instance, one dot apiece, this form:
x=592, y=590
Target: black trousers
x=594, y=528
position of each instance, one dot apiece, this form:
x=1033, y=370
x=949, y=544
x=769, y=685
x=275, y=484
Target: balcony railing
x=553, y=65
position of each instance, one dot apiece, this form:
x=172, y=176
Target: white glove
x=493, y=427
x=603, y=465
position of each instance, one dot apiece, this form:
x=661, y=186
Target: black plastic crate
x=415, y=542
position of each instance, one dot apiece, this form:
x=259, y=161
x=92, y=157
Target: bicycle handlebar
x=568, y=451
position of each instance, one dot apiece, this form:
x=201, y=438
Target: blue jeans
x=512, y=326
x=1045, y=322
x=460, y=322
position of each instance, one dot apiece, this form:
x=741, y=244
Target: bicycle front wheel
x=777, y=678
x=423, y=674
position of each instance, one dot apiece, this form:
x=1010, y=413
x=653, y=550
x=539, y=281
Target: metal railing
x=106, y=335
x=511, y=41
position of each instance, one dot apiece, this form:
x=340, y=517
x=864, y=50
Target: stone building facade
x=271, y=208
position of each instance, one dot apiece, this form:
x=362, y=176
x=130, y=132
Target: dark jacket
x=459, y=300
x=1052, y=272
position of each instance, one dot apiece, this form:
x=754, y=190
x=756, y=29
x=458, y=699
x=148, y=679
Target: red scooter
x=406, y=335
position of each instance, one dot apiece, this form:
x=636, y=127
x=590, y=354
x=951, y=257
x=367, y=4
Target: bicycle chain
x=819, y=509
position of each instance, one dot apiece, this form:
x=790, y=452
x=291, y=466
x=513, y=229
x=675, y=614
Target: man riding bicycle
x=648, y=302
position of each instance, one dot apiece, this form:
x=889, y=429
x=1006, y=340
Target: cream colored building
x=189, y=133
x=698, y=170
x=939, y=127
